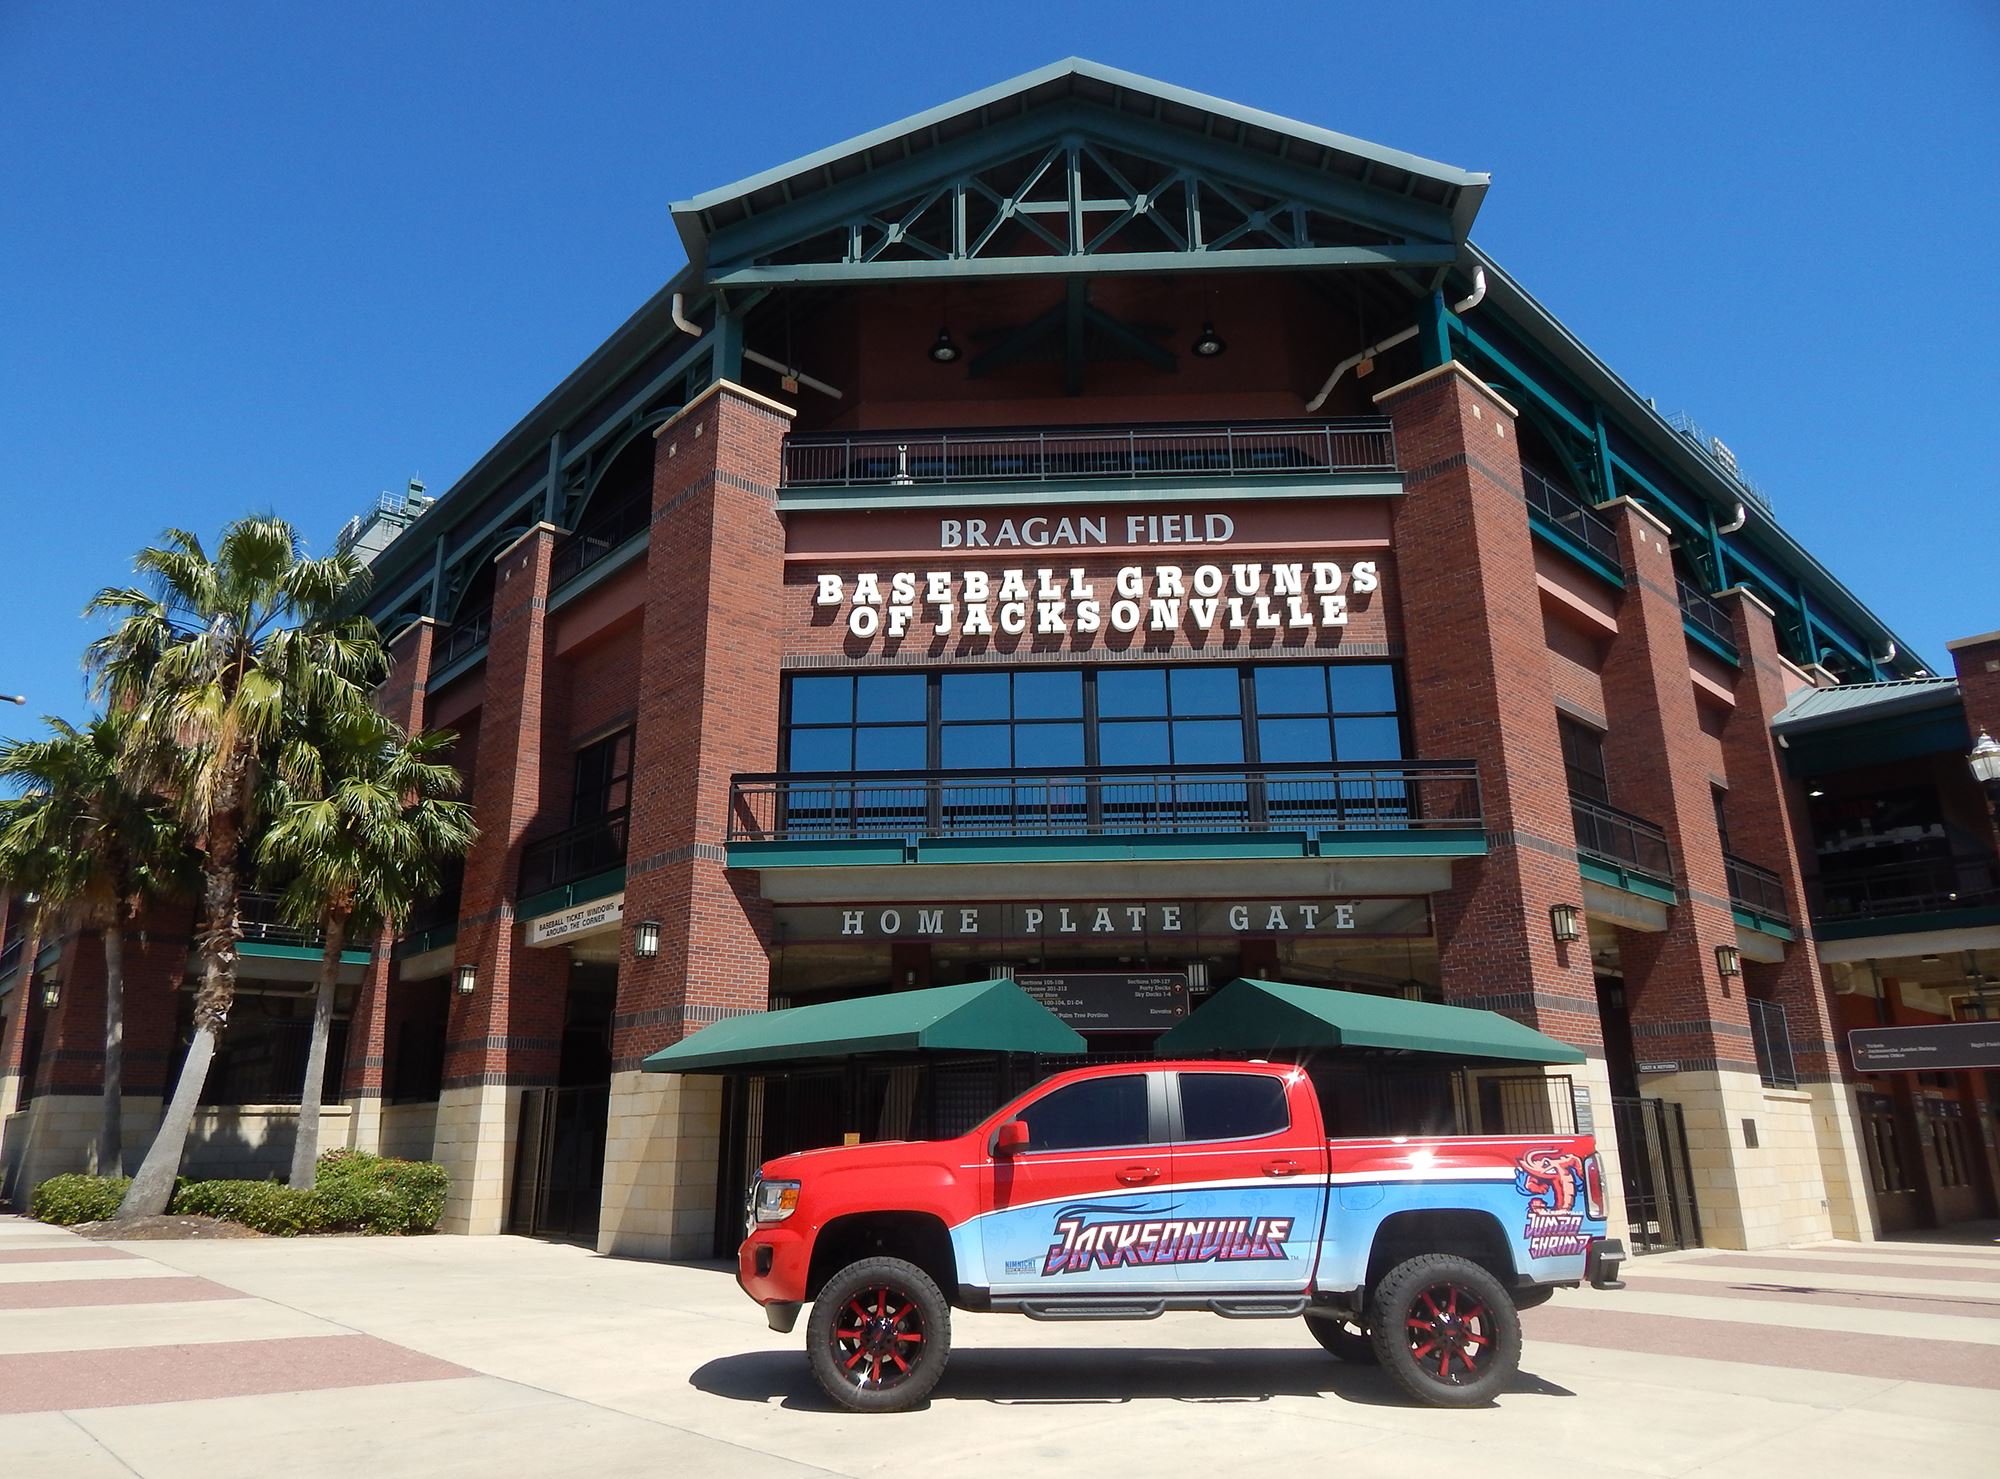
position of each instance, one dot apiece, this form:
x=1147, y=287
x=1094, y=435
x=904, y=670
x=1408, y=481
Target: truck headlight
x=773, y=1201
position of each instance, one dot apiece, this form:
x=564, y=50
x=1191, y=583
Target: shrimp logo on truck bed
x=1553, y=1180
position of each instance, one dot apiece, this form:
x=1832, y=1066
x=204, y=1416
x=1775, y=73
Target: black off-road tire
x=879, y=1336
x=1446, y=1330
x=1344, y=1338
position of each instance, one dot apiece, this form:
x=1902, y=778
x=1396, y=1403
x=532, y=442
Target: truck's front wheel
x=1446, y=1330
x=879, y=1335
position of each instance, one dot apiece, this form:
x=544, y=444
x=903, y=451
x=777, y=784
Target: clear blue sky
x=284, y=256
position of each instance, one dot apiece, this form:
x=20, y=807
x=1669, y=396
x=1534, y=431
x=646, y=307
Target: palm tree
x=99, y=850
x=209, y=658
x=359, y=855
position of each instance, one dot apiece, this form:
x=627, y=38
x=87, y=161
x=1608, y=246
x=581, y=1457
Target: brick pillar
x=1477, y=667
x=708, y=708
x=1683, y=1011
x=22, y=1005
x=1977, y=660
x=1766, y=826
x=508, y=1032
x=401, y=698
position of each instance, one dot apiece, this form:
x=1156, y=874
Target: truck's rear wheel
x=1446, y=1330
x=1345, y=1338
x=879, y=1335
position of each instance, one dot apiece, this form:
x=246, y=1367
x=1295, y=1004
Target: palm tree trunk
x=305, y=1147
x=110, y=1138
x=153, y=1187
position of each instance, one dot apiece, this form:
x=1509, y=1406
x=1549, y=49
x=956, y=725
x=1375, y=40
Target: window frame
x=1179, y=1107
x=1158, y=1120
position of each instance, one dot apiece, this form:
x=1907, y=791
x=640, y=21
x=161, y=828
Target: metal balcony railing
x=1757, y=889
x=1406, y=796
x=10, y=955
x=1923, y=886
x=605, y=532
x=1571, y=514
x=1771, y=1035
x=259, y=922
x=596, y=846
x=466, y=635
x=1242, y=449
x=1621, y=840
x=1705, y=614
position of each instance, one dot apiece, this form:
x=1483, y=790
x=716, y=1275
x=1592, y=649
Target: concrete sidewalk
x=448, y=1356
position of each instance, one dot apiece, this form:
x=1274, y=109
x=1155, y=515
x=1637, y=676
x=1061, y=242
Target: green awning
x=1268, y=1018
x=980, y=1017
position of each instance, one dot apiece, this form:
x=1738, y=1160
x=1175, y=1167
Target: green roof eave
x=1271, y=1017
x=1068, y=79
x=993, y=1016
x=1571, y=354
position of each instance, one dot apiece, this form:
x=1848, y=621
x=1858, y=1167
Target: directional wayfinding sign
x=1936, y=1049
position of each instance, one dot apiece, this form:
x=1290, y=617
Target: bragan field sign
x=1221, y=919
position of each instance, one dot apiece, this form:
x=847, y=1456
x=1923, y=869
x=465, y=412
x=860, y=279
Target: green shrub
x=66, y=1200
x=353, y=1192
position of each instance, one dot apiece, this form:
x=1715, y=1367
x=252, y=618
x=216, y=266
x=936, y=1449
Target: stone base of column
x=1749, y=1197
x=474, y=1142
x=661, y=1160
x=56, y=1134
x=407, y=1131
x=364, y=1126
x=1843, y=1162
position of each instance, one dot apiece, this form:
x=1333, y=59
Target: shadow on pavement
x=1024, y=1376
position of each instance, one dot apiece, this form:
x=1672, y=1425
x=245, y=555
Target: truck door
x=1095, y=1166
x=1249, y=1184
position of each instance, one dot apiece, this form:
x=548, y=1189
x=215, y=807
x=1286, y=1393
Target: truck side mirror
x=1010, y=1139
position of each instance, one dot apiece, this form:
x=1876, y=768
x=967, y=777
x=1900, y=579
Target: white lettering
x=1101, y=924
x=1239, y=917
x=1033, y=919
x=950, y=534
x=1276, y=918
x=899, y=619
x=977, y=622
x=1326, y=577
x=1167, y=581
x=968, y=921
x=903, y=587
x=1049, y=617
x=1013, y=617
x=864, y=621
x=890, y=922
x=930, y=921
x=1125, y=616
x=1208, y=580
x=1221, y=528
x=1131, y=581
x=1166, y=615
x=1365, y=578
x=978, y=585
x=1343, y=916
x=867, y=589
x=1088, y=616
x=1170, y=916
x=850, y=921
x=1287, y=580
x=830, y=591
x=1247, y=578
x=1065, y=924
x=1333, y=611
x=975, y=534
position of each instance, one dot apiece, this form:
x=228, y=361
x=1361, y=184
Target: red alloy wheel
x=1450, y=1333
x=878, y=1338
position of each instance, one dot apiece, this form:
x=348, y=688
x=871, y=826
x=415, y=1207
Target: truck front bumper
x=771, y=1267
x=1601, y=1263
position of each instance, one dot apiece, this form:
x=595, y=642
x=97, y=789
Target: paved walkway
x=457, y=1356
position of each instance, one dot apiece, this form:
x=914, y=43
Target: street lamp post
x=14, y=698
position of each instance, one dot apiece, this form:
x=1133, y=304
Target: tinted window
x=1097, y=1112
x=1232, y=1106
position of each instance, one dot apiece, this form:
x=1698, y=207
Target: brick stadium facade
x=922, y=587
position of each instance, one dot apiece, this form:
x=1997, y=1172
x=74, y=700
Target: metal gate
x=1659, y=1182
x=559, y=1163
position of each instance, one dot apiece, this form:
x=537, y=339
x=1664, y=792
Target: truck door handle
x=1281, y=1167
x=1139, y=1175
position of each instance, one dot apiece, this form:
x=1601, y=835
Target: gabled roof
x=1858, y=703
x=1202, y=119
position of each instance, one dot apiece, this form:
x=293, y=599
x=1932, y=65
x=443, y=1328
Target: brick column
x=1682, y=1009
x=1477, y=667
x=508, y=1032
x=708, y=708
x=1766, y=826
x=400, y=698
x=1977, y=660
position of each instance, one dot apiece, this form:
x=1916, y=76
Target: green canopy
x=980, y=1017
x=1271, y=1017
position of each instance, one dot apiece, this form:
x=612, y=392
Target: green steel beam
x=1422, y=253
x=1627, y=881
x=1434, y=332
x=265, y=950
x=568, y=895
x=1763, y=924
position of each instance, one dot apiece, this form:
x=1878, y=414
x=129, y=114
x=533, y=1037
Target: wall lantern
x=1567, y=922
x=51, y=993
x=1208, y=344
x=468, y=980
x=1985, y=763
x=646, y=939
x=1729, y=960
x=944, y=348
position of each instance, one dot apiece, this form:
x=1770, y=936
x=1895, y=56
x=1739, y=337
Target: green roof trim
x=265, y=950
x=1274, y=1017
x=993, y=1016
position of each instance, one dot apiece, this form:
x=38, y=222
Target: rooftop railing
x=463, y=637
x=1705, y=614
x=605, y=532
x=1757, y=889
x=1571, y=514
x=1924, y=886
x=1241, y=449
x=1405, y=796
x=259, y=921
x=1621, y=840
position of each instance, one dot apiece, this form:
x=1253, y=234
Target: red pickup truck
x=1123, y=1191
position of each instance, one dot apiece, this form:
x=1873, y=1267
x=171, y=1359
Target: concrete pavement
x=448, y=1356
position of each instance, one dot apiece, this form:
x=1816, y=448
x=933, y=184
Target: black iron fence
x=1757, y=889
x=1658, y=1174
x=465, y=636
x=1927, y=886
x=1608, y=835
x=1571, y=514
x=1705, y=614
x=596, y=846
x=1356, y=444
x=10, y=954
x=259, y=920
x=603, y=533
x=1411, y=796
x=1772, y=1037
